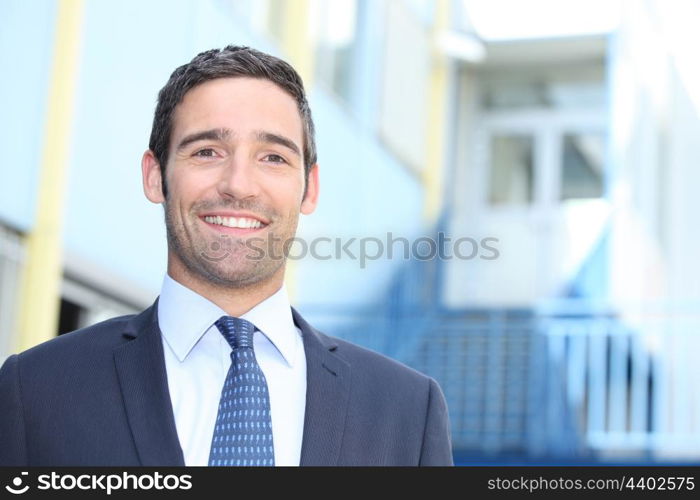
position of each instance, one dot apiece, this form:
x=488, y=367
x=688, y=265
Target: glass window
x=542, y=94
x=582, y=166
x=70, y=316
x=512, y=169
x=263, y=16
x=336, y=33
x=405, y=85
x=578, y=88
x=274, y=19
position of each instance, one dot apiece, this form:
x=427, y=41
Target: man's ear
x=308, y=204
x=152, y=178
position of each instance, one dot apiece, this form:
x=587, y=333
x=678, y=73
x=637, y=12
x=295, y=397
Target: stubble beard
x=240, y=268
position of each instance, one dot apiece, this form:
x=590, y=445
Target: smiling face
x=235, y=179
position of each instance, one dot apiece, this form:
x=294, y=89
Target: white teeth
x=239, y=222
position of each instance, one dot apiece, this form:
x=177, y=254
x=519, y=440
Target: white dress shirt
x=197, y=360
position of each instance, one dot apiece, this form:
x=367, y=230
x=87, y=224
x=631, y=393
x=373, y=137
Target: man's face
x=235, y=179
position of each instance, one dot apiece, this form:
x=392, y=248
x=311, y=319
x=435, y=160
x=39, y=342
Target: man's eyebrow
x=215, y=134
x=272, y=138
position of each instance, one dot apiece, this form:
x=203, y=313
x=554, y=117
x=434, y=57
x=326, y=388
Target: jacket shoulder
x=374, y=363
x=90, y=340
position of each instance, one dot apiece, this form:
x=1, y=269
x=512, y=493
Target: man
x=220, y=370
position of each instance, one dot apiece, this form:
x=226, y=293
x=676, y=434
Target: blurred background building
x=553, y=142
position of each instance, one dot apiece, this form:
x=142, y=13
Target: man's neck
x=235, y=301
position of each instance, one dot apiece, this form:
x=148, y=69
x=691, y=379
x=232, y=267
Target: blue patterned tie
x=243, y=431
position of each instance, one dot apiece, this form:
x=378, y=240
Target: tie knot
x=237, y=332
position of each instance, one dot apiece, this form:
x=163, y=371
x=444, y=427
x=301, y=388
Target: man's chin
x=224, y=268
x=236, y=277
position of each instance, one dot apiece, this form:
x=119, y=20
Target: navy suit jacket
x=99, y=397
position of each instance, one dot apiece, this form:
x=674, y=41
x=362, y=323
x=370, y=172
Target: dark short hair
x=231, y=61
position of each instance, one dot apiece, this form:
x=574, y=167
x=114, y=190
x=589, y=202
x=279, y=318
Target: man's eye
x=207, y=152
x=273, y=158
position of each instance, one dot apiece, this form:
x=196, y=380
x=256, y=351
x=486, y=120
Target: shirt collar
x=184, y=317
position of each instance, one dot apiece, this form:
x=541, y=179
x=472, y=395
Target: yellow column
x=436, y=126
x=41, y=282
x=299, y=52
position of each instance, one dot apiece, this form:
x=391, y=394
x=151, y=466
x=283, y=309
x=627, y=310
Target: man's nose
x=238, y=178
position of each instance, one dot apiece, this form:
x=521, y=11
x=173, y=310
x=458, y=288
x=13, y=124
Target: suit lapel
x=141, y=370
x=327, y=395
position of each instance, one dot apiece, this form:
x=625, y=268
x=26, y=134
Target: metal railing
x=630, y=375
x=570, y=380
